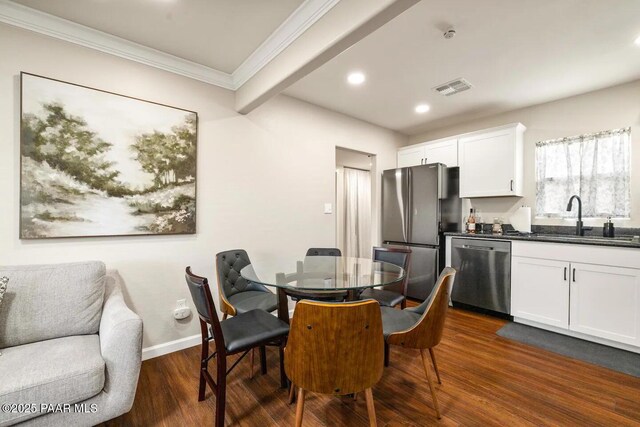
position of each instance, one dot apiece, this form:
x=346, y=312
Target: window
x=594, y=166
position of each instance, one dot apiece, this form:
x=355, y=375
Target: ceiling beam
x=342, y=26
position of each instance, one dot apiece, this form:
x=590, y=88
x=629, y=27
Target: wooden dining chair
x=238, y=334
x=335, y=348
x=391, y=295
x=421, y=327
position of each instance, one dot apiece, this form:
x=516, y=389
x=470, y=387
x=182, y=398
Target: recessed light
x=356, y=78
x=422, y=108
x=637, y=41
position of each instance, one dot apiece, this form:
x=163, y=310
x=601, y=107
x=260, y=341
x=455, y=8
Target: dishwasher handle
x=478, y=248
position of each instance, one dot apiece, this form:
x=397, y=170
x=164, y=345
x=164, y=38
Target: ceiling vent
x=453, y=87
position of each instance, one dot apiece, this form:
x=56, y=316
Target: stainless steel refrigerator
x=419, y=204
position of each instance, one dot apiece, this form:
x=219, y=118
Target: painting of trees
x=170, y=157
x=96, y=163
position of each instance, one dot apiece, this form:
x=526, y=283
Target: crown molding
x=307, y=14
x=31, y=19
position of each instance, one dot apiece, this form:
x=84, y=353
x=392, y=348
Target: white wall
x=262, y=178
x=610, y=108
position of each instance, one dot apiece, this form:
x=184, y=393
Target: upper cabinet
x=491, y=162
x=441, y=151
x=411, y=156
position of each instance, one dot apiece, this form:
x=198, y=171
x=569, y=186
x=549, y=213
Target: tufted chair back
x=228, y=265
x=324, y=252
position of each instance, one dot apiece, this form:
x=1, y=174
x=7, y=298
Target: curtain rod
x=586, y=135
x=357, y=169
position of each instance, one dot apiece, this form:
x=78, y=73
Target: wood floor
x=486, y=380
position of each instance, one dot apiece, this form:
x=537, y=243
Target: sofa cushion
x=58, y=371
x=51, y=301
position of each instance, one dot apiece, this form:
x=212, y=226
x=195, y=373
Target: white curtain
x=357, y=213
x=596, y=167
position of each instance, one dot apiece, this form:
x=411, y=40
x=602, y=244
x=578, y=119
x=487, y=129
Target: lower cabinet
x=605, y=302
x=540, y=290
x=597, y=300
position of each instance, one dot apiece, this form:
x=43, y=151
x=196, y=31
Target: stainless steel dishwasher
x=483, y=276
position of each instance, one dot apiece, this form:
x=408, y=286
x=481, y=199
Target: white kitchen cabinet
x=589, y=292
x=605, y=302
x=445, y=152
x=540, y=290
x=491, y=162
x=411, y=156
x=441, y=151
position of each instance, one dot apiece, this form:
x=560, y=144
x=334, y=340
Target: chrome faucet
x=579, y=227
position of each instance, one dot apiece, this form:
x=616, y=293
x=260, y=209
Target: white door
x=412, y=156
x=605, y=302
x=487, y=164
x=445, y=152
x=540, y=290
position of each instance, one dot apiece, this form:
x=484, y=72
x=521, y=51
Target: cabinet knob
x=511, y=185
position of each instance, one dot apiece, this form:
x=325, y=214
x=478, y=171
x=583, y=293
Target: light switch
x=328, y=208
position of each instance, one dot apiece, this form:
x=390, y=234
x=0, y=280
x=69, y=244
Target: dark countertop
x=620, y=242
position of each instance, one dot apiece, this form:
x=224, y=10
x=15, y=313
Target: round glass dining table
x=321, y=277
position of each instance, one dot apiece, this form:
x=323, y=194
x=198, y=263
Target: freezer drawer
x=483, y=276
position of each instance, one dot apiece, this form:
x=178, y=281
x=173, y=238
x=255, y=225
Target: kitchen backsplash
x=504, y=207
x=562, y=229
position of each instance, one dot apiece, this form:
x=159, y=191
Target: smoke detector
x=453, y=87
x=450, y=33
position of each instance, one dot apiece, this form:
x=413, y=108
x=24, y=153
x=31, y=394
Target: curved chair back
x=396, y=256
x=230, y=282
x=201, y=295
x=335, y=348
x=427, y=332
x=324, y=252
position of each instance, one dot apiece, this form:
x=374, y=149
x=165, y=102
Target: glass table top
x=325, y=273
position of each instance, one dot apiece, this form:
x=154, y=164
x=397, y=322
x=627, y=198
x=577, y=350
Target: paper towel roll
x=521, y=219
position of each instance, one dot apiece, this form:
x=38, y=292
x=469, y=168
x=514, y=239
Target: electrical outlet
x=181, y=311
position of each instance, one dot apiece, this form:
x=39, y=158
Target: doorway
x=354, y=202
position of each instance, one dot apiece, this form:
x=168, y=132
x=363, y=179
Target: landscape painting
x=94, y=163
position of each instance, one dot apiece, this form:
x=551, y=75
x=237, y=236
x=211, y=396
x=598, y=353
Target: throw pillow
x=3, y=287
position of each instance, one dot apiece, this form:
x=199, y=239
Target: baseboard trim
x=177, y=345
x=170, y=347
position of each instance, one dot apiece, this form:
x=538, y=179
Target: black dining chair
x=238, y=334
x=238, y=295
x=324, y=252
x=324, y=296
x=394, y=294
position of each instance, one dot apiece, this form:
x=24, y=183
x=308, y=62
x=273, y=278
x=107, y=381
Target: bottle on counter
x=608, y=229
x=471, y=222
x=497, y=226
x=479, y=223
